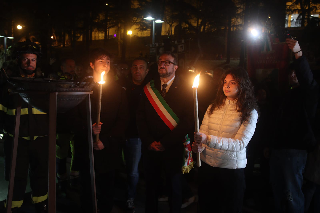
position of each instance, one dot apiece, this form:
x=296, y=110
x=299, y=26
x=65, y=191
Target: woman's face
x=230, y=87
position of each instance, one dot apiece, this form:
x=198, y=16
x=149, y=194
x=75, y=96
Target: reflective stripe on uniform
x=24, y=111
x=26, y=138
x=40, y=199
x=38, y=112
x=14, y=204
x=3, y=108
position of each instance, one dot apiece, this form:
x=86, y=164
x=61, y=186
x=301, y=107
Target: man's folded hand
x=156, y=146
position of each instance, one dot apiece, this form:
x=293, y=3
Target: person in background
x=68, y=67
x=65, y=143
x=225, y=132
x=293, y=134
x=66, y=70
x=122, y=72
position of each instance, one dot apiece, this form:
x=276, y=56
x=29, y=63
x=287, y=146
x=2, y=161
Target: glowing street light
x=129, y=32
x=19, y=27
x=150, y=18
x=254, y=32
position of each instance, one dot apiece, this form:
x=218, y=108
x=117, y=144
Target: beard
x=165, y=74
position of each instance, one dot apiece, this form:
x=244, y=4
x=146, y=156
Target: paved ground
x=257, y=198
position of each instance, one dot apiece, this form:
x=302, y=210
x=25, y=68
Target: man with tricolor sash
x=164, y=117
x=32, y=151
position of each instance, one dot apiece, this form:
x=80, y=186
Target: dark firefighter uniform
x=32, y=152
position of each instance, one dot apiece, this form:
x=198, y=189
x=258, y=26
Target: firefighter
x=32, y=152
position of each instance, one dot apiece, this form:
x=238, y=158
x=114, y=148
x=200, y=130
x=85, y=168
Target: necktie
x=164, y=91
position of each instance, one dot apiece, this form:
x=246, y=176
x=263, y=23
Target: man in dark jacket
x=132, y=147
x=164, y=118
x=33, y=141
x=111, y=130
x=293, y=135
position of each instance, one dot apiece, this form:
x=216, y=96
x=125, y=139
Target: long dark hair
x=246, y=100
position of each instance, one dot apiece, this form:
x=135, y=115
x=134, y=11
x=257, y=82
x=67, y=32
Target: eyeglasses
x=167, y=63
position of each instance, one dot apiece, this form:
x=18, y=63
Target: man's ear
x=91, y=65
x=147, y=71
x=175, y=67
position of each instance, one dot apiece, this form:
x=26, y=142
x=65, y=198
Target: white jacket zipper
x=224, y=114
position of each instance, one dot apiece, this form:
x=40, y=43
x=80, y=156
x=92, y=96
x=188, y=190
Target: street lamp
x=129, y=33
x=254, y=33
x=19, y=27
x=150, y=18
x=106, y=32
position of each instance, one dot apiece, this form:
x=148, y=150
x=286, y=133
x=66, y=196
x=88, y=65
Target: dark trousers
x=132, y=155
x=220, y=190
x=33, y=155
x=286, y=176
x=154, y=162
x=186, y=190
x=311, y=193
x=104, y=189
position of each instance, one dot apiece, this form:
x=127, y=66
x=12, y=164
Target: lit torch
x=195, y=104
x=99, y=102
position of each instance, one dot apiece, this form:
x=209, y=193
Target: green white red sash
x=161, y=106
x=170, y=119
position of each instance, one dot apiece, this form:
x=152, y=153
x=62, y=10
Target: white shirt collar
x=169, y=83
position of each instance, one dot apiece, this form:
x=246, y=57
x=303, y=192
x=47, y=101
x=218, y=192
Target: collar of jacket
x=175, y=83
x=230, y=102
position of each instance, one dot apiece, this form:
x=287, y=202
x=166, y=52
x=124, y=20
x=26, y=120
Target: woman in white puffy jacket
x=225, y=132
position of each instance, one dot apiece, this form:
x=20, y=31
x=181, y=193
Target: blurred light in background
x=254, y=33
x=149, y=18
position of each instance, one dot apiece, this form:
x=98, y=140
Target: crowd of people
x=147, y=113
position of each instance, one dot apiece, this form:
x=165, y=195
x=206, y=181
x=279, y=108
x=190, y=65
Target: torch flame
x=196, y=81
x=102, y=81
